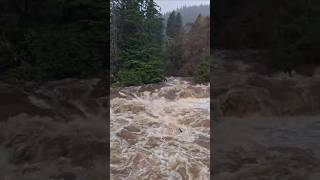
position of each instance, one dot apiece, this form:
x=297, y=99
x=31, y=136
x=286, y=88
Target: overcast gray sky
x=169, y=5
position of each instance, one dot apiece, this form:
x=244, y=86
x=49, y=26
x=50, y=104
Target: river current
x=161, y=131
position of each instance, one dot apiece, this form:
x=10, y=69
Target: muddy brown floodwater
x=267, y=148
x=161, y=132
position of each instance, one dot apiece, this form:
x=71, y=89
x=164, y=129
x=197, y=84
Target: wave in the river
x=161, y=132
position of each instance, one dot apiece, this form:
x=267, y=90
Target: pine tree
x=154, y=21
x=175, y=42
x=170, y=25
x=52, y=39
x=140, y=27
x=114, y=31
x=131, y=18
x=178, y=25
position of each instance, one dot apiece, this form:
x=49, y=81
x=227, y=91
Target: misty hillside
x=189, y=14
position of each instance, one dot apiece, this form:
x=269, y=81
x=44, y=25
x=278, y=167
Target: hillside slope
x=190, y=14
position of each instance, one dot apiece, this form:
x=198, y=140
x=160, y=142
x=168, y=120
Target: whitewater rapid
x=161, y=131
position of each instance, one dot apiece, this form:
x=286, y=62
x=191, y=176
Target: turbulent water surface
x=263, y=148
x=161, y=131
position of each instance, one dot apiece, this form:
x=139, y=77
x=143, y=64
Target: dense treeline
x=174, y=45
x=142, y=51
x=197, y=45
x=189, y=13
x=188, y=52
x=288, y=30
x=49, y=39
x=137, y=35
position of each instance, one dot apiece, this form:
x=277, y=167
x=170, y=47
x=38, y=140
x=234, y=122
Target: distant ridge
x=190, y=13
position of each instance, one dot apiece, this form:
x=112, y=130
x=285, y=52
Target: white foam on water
x=158, y=136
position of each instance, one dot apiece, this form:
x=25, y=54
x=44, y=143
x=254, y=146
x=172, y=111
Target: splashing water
x=161, y=132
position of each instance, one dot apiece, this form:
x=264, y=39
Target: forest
x=50, y=40
x=146, y=49
x=287, y=30
x=190, y=13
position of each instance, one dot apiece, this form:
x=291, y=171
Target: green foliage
x=53, y=40
x=190, y=13
x=174, y=44
x=202, y=74
x=154, y=22
x=174, y=55
x=170, y=25
x=178, y=24
x=141, y=73
x=139, y=37
x=66, y=53
x=288, y=30
x=292, y=28
x=174, y=25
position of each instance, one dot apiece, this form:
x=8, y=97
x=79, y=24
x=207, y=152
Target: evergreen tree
x=297, y=41
x=170, y=25
x=45, y=40
x=175, y=42
x=178, y=25
x=131, y=19
x=189, y=13
x=288, y=30
x=139, y=40
x=154, y=22
x=114, y=32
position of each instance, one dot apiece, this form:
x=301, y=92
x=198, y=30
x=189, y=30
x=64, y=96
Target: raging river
x=161, y=131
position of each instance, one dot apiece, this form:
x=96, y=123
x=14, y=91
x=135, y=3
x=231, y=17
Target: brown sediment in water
x=161, y=132
x=266, y=124
x=55, y=131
